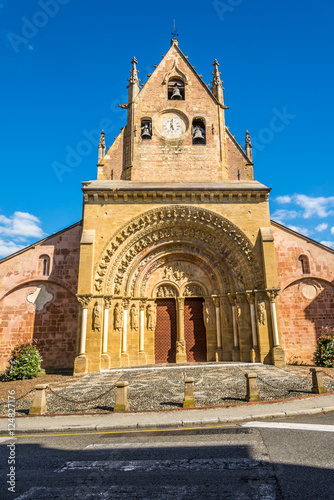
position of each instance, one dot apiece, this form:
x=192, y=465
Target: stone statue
x=150, y=317
x=96, y=316
x=261, y=312
x=134, y=318
x=118, y=317
x=208, y=315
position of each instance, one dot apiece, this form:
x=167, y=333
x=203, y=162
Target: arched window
x=44, y=265
x=305, y=264
x=198, y=131
x=176, y=90
x=146, y=129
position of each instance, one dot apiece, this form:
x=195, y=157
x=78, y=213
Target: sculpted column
x=278, y=356
x=181, y=355
x=142, y=354
x=81, y=361
x=124, y=353
x=105, y=358
x=236, y=348
x=219, y=350
x=250, y=296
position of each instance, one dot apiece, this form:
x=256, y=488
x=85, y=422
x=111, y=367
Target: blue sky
x=65, y=65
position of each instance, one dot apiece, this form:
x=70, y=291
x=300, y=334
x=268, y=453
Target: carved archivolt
x=189, y=225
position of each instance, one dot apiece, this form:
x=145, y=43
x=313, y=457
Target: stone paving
x=159, y=387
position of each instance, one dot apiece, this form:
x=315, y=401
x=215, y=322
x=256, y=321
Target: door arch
x=194, y=330
x=165, y=331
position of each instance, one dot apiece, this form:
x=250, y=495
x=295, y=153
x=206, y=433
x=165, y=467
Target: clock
x=172, y=126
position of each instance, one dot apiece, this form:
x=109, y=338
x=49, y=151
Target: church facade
x=176, y=259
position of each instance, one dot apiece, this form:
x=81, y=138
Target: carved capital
x=216, y=300
x=84, y=300
x=125, y=303
x=142, y=304
x=250, y=296
x=272, y=294
x=231, y=298
x=180, y=302
x=107, y=302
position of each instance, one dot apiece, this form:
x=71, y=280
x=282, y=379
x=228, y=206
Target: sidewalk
x=160, y=419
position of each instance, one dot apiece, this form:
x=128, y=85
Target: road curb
x=179, y=424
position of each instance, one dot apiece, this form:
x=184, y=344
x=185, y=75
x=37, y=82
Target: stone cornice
x=163, y=192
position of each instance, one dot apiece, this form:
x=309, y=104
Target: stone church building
x=176, y=259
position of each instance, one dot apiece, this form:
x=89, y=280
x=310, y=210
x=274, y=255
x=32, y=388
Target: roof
x=40, y=241
x=306, y=238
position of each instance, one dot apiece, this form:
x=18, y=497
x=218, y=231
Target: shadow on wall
x=306, y=306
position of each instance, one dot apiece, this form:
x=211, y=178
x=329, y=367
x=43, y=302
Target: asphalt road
x=237, y=462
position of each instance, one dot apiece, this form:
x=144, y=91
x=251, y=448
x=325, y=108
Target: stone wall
x=41, y=307
x=306, y=300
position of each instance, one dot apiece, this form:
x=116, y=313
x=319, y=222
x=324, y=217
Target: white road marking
x=290, y=426
x=2, y=440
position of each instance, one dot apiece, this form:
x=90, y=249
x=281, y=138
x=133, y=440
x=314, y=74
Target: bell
x=146, y=134
x=198, y=135
x=176, y=93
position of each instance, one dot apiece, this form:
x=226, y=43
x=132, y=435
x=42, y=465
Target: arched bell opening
x=198, y=131
x=176, y=90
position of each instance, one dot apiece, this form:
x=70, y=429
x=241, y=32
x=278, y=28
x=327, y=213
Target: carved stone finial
x=134, y=86
x=102, y=145
x=248, y=146
x=217, y=87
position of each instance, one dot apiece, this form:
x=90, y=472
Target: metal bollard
x=252, y=392
x=189, y=399
x=39, y=403
x=121, y=396
x=318, y=383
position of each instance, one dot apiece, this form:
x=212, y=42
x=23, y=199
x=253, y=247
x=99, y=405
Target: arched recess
x=305, y=307
x=194, y=232
x=44, y=311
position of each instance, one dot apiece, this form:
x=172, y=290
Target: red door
x=165, y=331
x=194, y=330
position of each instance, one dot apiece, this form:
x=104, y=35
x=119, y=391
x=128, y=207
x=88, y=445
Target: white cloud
x=332, y=230
x=329, y=244
x=283, y=199
x=21, y=225
x=16, y=231
x=321, y=227
x=312, y=206
x=301, y=230
x=282, y=214
x=8, y=247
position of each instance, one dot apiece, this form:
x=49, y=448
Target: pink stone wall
x=55, y=324
x=306, y=300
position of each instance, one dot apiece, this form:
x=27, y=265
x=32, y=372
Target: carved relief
x=193, y=290
x=180, y=347
x=134, y=318
x=178, y=272
x=209, y=315
x=166, y=291
x=84, y=300
x=211, y=229
x=118, y=317
x=96, y=317
x=150, y=315
x=225, y=314
x=261, y=310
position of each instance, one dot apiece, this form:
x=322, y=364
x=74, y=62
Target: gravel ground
x=160, y=388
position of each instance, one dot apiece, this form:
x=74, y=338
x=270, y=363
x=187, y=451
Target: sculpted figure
x=150, y=317
x=118, y=317
x=180, y=347
x=97, y=317
x=134, y=318
x=261, y=312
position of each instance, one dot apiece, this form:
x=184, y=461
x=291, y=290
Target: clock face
x=172, y=126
